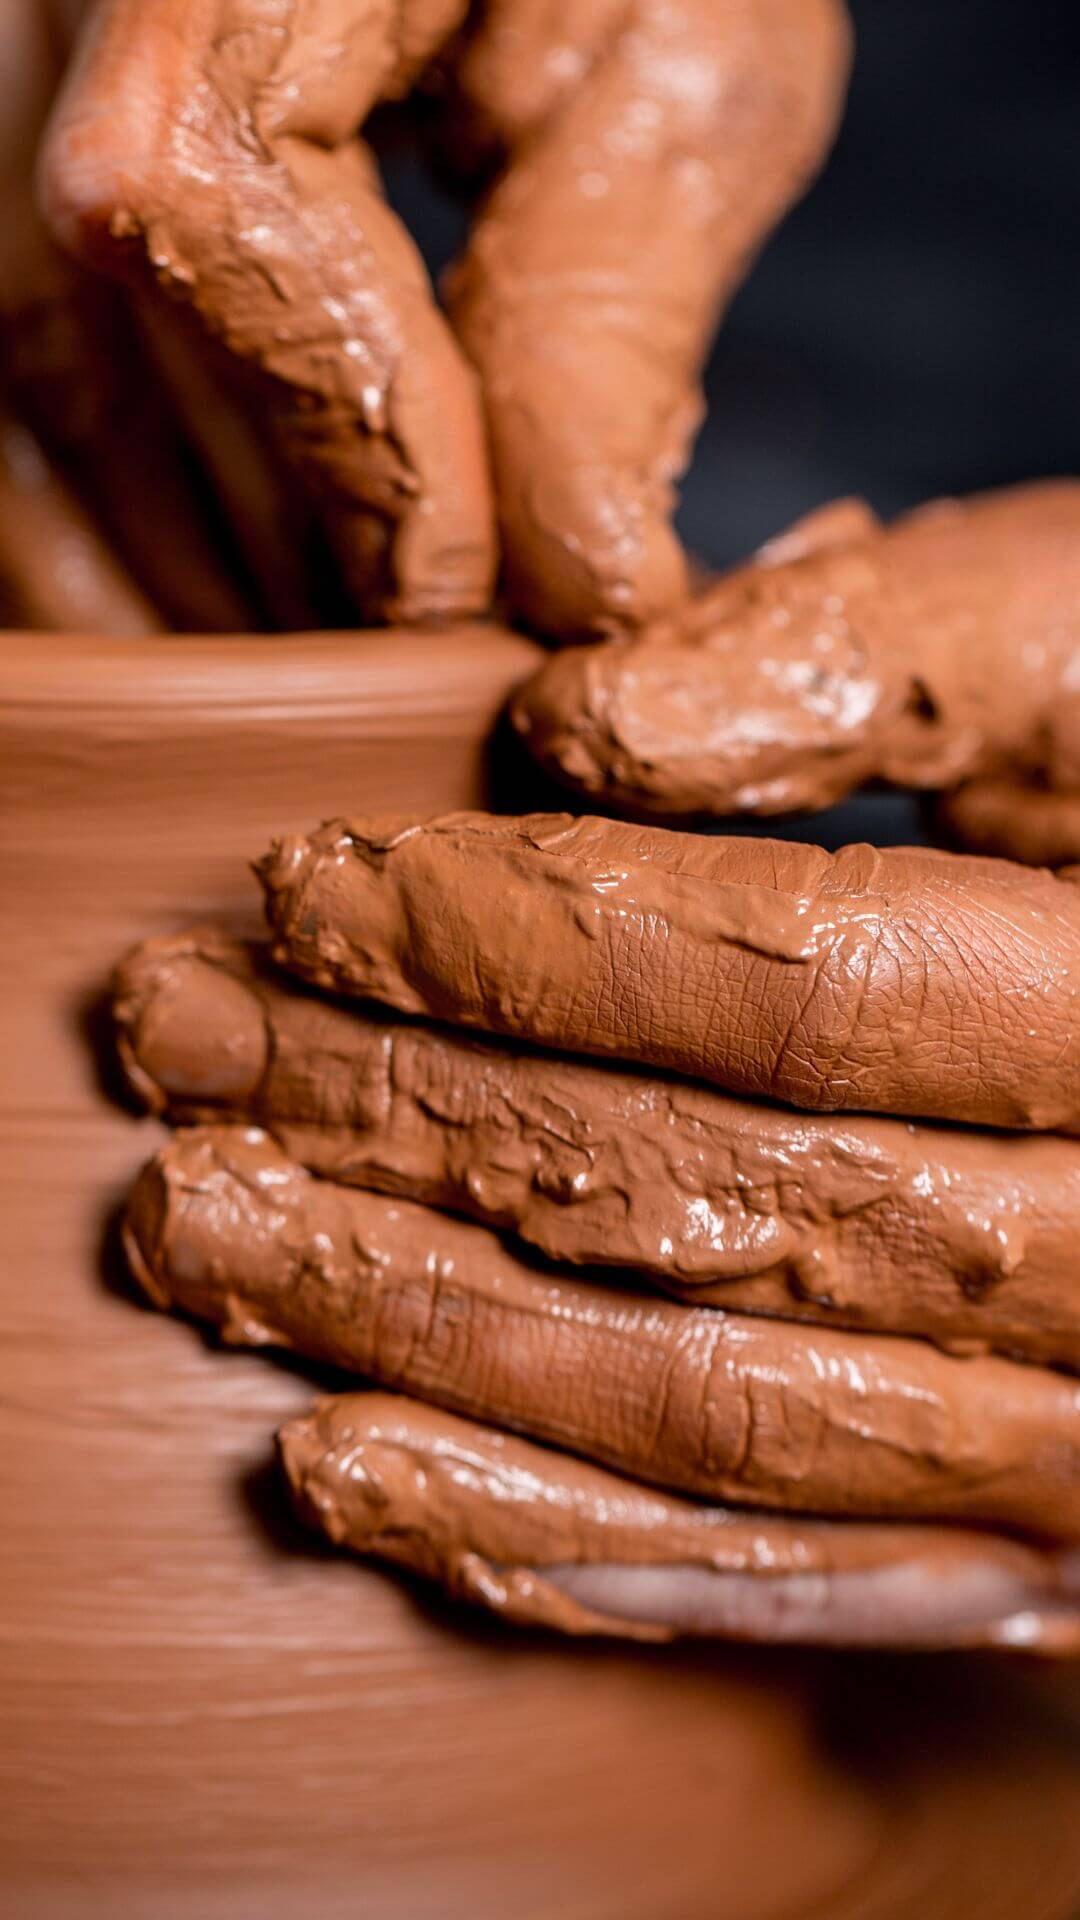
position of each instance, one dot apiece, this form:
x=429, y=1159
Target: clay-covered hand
x=943, y=647
x=212, y=147
x=101, y=530
x=827, y=1366
x=962, y=1236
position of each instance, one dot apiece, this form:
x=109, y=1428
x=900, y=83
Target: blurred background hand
x=641, y=153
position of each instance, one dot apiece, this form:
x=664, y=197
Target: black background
x=912, y=330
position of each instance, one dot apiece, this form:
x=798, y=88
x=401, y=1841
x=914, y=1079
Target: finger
x=211, y=146
x=969, y=1239
x=523, y=61
x=669, y=723
x=270, y=519
x=56, y=573
x=1015, y=820
x=900, y=981
x=596, y=273
x=545, y=1540
x=78, y=374
x=937, y=648
x=225, y=1226
x=71, y=369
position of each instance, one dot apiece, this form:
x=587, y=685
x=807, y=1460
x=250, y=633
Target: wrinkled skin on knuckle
x=903, y=981
x=965, y=1237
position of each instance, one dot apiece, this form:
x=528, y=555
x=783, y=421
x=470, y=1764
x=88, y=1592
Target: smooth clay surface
x=204, y=1712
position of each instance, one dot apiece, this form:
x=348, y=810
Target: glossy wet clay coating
x=922, y=653
x=967, y=1237
x=898, y=981
x=214, y=146
x=169, y=1641
x=595, y=276
x=541, y=1538
x=651, y=149
x=223, y=1224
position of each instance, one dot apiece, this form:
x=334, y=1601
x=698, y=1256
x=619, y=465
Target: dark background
x=912, y=330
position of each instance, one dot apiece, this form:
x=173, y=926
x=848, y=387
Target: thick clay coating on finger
x=969, y=1238
x=71, y=373
x=897, y=981
x=921, y=654
x=223, y=1224
x=599, y=266
x=524, y=1531
x=211, y=144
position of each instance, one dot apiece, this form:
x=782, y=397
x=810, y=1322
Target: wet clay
x=211, y=146
x=169, y=1642
x=969, y=1238
x=543, y=1539
x=73, y=373
x=898, y=981
x=938, y=648
x=224, y=1225
x=634, y=207
x=651, y=149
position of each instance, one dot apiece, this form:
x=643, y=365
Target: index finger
x=898, y=981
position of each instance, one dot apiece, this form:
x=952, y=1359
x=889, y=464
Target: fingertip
x=586, y=560
x=188, y=1028
x=91, y=178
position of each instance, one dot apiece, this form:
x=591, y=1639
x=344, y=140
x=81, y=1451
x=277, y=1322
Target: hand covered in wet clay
x=210, y=149
x=101, y=525
x=941, y=648
x=856, y=1420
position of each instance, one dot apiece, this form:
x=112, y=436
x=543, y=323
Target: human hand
x=211, y=151
x=101, y=526
x=844, y=1248
x=927, y=653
